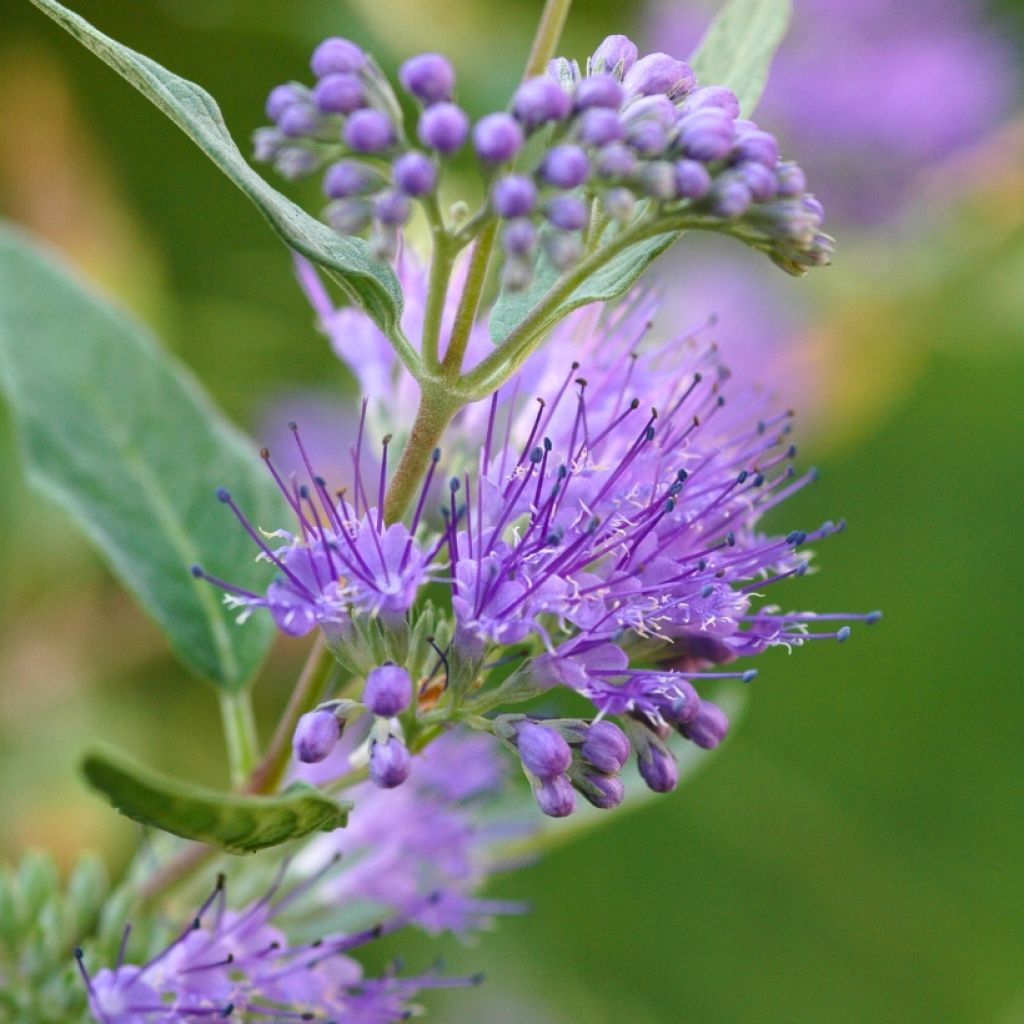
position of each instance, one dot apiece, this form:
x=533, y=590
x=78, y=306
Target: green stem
x=545, y=41
x=470, y=302
x=442, y=259
x=240, y=733
x=312, y=684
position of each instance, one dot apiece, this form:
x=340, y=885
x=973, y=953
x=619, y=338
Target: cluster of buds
x=564, y=756
x=635, y=137
x=387, y=692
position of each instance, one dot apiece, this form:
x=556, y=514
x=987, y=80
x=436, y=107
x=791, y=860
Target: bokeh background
x=855, y=851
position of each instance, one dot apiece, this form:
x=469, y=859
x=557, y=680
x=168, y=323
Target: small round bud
x=615, y=55
x=658, y=768
x=605, y=747
x=338, y=93
x=517, y=273
x=299, y=119
x=757, y=146
x=709, y=727
x=600, y=90
x=282, y=96
x=443, y=127
x=519, y=237
x=539, y=100
x=564, y=250
x=265, y=144
x=390, y=763
x=348, y=178
x=430, y=77
x=349, y=216
x=759, y=179
x=615, y=161
x=706, y=134
x=648, y=138
x=791, y=179
x=598, y=126
x=337, y=55
x=384, y=241
x=686, y=706
x=392, y=208
x=619, y=203
x=497, y=138
x=369, y=131
x=556, y=797
x=315, y=736
x=514, y=195
x=415, y=173
x=653, y=108
x=730, y=198
x=660, y=73
x=693, y=180
x=603, y=791
x=294, y=162
x=567, y=212
x=543, y=751
x=565, y=166
x=388, y=690
x=713, y=96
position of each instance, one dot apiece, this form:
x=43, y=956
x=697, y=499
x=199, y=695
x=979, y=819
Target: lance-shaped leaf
x=367, y=282
x=236, y=823
x=125, y=440
x=738, y=47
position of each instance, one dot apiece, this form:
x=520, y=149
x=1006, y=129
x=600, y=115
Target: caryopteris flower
x=239, y=965
x=633, y=140
x=605, y=538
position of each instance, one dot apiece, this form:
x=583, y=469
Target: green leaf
x=124, y=439
x=367, y=282
x=611, y=280
x=738, y=47
x=238, y=824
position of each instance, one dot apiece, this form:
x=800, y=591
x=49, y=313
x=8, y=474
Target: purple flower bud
x=660, y=73
x=759, y=179
x=615, y=54
x=428, y=76
x=658, y=768
x=539, y=100
x=348, y=178
x=652, y=108
x=730, y=198
x=543, y=751
x=567, y=212
x=299, y=119
x=791, y=178
x=337, y=55
x=384, y=241
x=349, y=216
x=517, y=273
x=443, y=127
x=564, y=250
x=603, y=791
x=392, y=208
x=415, y=173
x=708, y=729
x=265, y=144
x=606, y=747
x=686, y=706
x=619, y=203
x=556, y=797
x=658, y=179
x=599, y=126
x=615, y=161
x=693, y=180
x=713, y=96
x=565, y=166
x=390, y=763
x=338, y=93
x=565, y=71
x=759, y=146
x=706, y=134
x=814, y=207
x=648, y=138
x=315, y=736
x=519, y=237
x=294, y=162
x=599, y=91
x=369, y=131
x=514, y=195
x=388, y=690
x=282, y=96
x=497, y=138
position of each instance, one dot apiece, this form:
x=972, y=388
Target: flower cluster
x=239, y=965
x=634, y=139
x=602, y=541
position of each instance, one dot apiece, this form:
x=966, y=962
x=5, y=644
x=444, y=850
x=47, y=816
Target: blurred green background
x=855, y=852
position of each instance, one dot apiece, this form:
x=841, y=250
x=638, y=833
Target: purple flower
x=615, y=55
x=337, y=55
x=430, y=77
x=555, y=796
x=605, y=747
x=390, y=762
x=539, y=100
x=315, y=736
x=567, y=212
x=338, y=94
x=658, y=73
x=497, y=138
x=542, y=750
x=600, y=90
x=443, y=127
x=415, y=173
x=388, y=690
x=369, y=131
x=514, y=195
x=565, y=166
